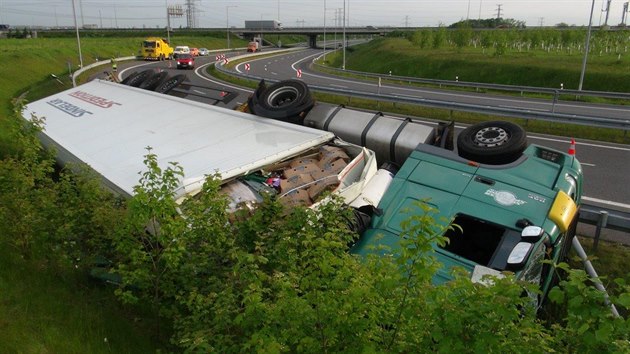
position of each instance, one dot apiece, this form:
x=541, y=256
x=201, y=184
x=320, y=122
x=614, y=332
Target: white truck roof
x=109, y=126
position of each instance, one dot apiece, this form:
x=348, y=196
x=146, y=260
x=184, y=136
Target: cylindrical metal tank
x=391, y=138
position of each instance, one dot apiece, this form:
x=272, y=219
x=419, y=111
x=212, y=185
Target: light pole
x=586, y=47
x=343, y=67
x=324, y=31
x=227, y=23
x=76, y=27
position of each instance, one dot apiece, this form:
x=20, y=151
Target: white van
x=181, y=49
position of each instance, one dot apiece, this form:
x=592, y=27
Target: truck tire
x=494, y=143
x=138, y=79
x=126, y=80
x=170, y=83
x=153, y=81
x=287, y=100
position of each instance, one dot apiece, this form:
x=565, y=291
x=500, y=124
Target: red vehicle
x=185, y=61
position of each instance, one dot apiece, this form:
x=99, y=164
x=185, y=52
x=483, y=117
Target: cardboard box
x=306, y=168
x=304, y=161
x=319, y=187
x=331, y=168
x=328, y=154
x=296, y=198
x=294, y=182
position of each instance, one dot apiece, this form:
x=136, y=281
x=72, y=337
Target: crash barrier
x=485, y=86
x=464, y=107
x=94, y=65
x=605, y=218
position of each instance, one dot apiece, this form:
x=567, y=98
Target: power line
x=499, y=11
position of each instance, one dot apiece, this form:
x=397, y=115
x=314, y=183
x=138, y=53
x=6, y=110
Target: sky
x=303, y=13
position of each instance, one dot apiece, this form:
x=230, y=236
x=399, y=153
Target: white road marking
x=340, y=86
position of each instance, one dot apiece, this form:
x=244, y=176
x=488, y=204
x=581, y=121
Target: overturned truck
x=515, y=204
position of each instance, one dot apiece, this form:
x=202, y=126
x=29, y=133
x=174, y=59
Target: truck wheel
x=154, y=81
x=494, y=143
x=130, y=77
x=138, y=79
x=170, y=83
x=286, y=100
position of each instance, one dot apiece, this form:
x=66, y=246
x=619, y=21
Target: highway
x=605, y=165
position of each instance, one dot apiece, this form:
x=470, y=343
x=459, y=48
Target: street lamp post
x=324, y=30
x=74, y=12
x=586, y=47
x=227, y=23
x=343, y=67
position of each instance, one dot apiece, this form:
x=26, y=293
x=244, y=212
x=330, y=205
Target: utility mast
x=499, y=11
x=607, y=12
x=624, y=14
x=191, y=13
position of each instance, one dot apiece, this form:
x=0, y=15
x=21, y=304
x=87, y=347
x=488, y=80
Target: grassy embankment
x=45, y=311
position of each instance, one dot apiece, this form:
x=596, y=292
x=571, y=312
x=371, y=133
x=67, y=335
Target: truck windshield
x=148, y=44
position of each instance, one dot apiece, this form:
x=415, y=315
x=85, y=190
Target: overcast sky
x=298, y=13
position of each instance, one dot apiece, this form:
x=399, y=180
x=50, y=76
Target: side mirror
x=532, y=233
x=518, y=256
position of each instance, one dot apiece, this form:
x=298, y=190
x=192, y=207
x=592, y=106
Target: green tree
x=150, y=244
x=439, y=38
x=461, y=36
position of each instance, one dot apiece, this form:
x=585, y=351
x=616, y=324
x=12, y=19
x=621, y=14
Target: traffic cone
x=572, y=147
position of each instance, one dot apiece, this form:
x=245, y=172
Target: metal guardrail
x=465, y=107
x=486, y=86
x=589, y=214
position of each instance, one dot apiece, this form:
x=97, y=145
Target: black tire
x=154, y=81
x=494, y=143
x=126, y=80
x=285, y=94
x=287, y=100
x=138, y=79
x=170, y=83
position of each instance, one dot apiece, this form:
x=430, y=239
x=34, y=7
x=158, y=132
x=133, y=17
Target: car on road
x=203, y=51
x=185, y=61
x=179, y=50
x=194, y=51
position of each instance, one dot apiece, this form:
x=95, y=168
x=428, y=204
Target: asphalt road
x=605, y=165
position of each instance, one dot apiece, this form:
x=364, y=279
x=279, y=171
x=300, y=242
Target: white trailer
x=109, y=126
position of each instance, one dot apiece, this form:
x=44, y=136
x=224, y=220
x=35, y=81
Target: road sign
x=247, y=67
x=225, y=61
x=299, y=73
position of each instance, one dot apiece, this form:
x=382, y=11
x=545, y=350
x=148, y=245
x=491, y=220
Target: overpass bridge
x=312, y=32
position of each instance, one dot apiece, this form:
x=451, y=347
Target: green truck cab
x=511, y=215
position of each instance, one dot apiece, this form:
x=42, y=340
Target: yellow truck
x=155, y=48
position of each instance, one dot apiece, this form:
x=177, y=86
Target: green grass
x=42, y=311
